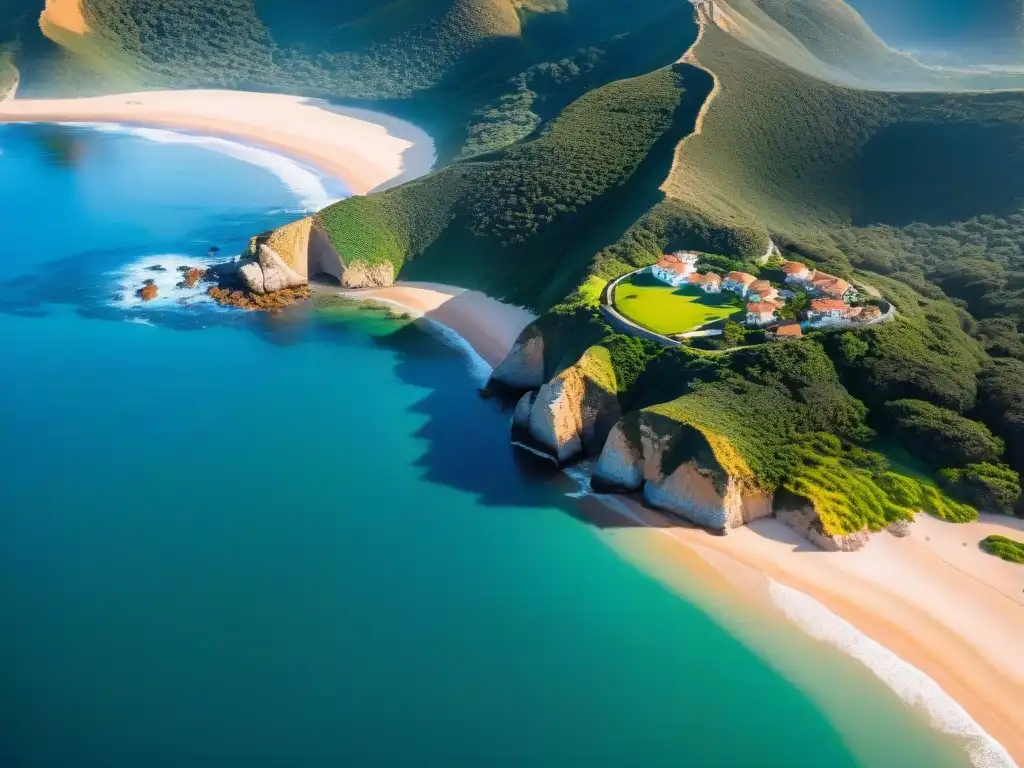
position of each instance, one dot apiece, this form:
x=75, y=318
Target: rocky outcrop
x=677, y=469
x=806, y=521
x=148, y=292
x=267, y=302
x=899, y=528
x=306, y=249
x=521, y=415
x=574, y=412
x=523, y=367
x=252, y=276
x=270, y=273
x=192, y=276
x=359, y=275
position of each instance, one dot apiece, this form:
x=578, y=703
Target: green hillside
x=569, y=154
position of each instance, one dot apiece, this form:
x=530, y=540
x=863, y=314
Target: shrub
x=1007, y=549
x=939, y=436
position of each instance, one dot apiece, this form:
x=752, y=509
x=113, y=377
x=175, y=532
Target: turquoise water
x=232, y=540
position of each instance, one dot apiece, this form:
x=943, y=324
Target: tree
x=941, y=437
x=733, y=333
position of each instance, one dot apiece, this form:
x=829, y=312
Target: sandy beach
x=934, y=598
x=488, y=325
x=367, y=150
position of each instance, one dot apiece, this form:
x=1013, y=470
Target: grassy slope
x=515, y=222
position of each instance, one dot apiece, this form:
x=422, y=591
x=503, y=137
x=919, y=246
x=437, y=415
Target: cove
x=233, y=539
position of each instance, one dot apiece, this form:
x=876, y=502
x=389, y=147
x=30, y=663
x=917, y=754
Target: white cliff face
x=556, y=420
x=572, y=414
x=252, y=276
x=523, y=368
x=704, y=495
x=359, y=275
x=693, y=493
x=270, y=273
x=620, y=465
x=277, y=275
x=521, y=416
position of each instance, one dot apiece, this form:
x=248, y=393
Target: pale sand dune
x=366, y=150
x=64, y=14
x=489, y=326
x=950, y=610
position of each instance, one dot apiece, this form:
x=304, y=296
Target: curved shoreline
x=368, y=151
x=946, y=612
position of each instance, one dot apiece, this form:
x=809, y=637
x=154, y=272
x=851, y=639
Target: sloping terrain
x=574, y=145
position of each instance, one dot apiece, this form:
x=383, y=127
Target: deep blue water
x=228, y=539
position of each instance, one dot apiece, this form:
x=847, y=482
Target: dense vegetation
x=524, y=223
x=1007, y=549
x=573, y=131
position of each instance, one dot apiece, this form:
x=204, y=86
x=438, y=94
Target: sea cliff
x=676, y=468
x=306, y=249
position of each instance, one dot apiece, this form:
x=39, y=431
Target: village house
x=795, y=271
x=709, y=283
x=738, y=282
x=763, y=290
x=675, y=268
x=823, y=311
x=824, y=284
x=789, y=329
x=761, y=313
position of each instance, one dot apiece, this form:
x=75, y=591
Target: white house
x=675, y=268
x=761, y=313
x=709, y=283
x=738, y=282
x=796, y=272
x=763, y=290
x=827, y=311
x=824, y=284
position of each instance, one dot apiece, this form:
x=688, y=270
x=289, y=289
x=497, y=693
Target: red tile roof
x=788, y=329
x=740, y=277
x=761, y=307
x=827, y=305
x=793, y=267
x=760, y=285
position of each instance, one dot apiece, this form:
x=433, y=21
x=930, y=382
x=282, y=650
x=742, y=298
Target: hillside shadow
x=938, y=173
x=459, y=257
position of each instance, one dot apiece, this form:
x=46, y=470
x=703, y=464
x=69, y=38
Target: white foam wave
x=305, y=184
x=478, y=367
x=132, y=277
x=579, y=474
x=910, y=684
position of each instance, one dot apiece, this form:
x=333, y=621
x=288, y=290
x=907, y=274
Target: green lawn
x=646, y=300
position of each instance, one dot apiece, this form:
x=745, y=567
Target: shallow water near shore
x=234, y=539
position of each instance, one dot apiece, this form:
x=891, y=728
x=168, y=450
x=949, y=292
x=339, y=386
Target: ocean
x=235, y=539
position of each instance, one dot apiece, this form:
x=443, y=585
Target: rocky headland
x=266, y=283
x=573, y=412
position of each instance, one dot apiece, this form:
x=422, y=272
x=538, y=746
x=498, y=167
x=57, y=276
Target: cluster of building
x=831, y=295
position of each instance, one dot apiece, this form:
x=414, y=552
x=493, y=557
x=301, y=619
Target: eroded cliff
x=681, y=470
x=573, y=413
x=306, y=249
